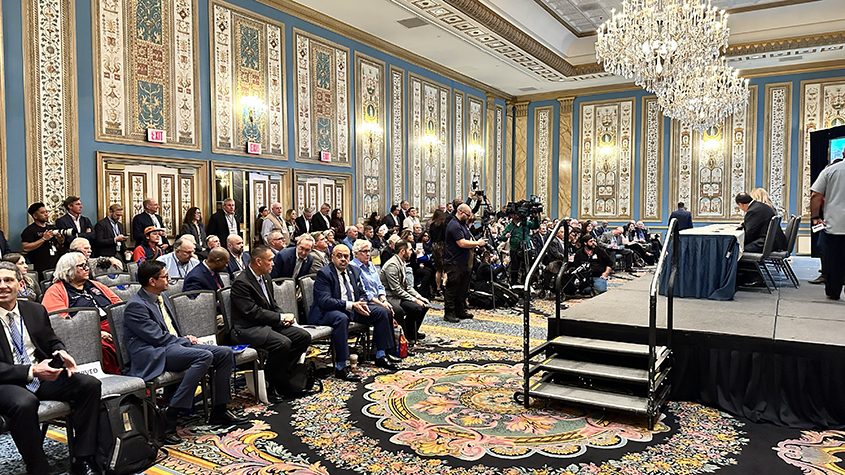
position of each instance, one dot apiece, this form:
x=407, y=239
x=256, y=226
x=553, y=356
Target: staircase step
x=595, y=369
x=608, y=346
x=589, y=397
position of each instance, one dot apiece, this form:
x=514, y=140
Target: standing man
x=258, y=321
x=182, y=260
x=109, y=239
x=224, y=222
x=392, y=220
x=74, y=220
x=518, y=232
x=238, y=258
x=321, y=221
x=303, y=222
x=27, y=344
x=407, y=303
x=411, y=220
x=42, y=245
x=457, y=263
x=142, y=221
x=828, y=199
x=206, y=276
x=273, y=222
x=683, y=216
x=294, y=262
x=404, y=206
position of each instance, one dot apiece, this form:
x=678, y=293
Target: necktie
x=166, y=316
x=263, y=288
x=296, y=267
x=17, y=341
x=350, y=294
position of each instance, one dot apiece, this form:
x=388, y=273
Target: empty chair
x=224, y=277
x=779, y=258
x=114, y=279
x=196, y=313
x=132, y=268
x=126, y=291
x=48, y=274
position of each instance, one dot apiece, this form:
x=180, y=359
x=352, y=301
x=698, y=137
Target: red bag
x=401, y=349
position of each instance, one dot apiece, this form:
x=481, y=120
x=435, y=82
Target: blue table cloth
x=706, y=269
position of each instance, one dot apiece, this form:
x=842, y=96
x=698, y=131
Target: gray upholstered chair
x=174, y=287
x=132, y=268
x=126, y=291
x=284, y=291
x=224, y=277
x=249, y=355
x=48, y=275
x=779, y=258
x=114, y=279
x=306, y=289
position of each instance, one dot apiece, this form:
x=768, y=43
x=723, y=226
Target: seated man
x=756, y=224
x=27, y=378
x=319, y=257
x=152, y=248
x=182, y=260
x=294, y=261
x=613, y=243
x=206, y=276
x=258, y=321
x=600, y=264
x=340, y=298
x=238, y=258
x=408, y=305
x=154, y=345
x=370, y=280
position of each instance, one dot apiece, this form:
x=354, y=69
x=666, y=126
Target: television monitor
x=836, y=148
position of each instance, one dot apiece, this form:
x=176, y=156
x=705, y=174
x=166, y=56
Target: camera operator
x=518, y=232
x=600, y=262
x=42, y=242
x=457, y=264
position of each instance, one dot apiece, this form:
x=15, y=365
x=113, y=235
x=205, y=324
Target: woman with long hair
x=290, y=221
x=192, y=224
x=337, y=223
x=28, y=287
x=374, y=220
x=761, y=195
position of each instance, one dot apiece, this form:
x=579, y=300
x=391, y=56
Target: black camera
x=525, y=208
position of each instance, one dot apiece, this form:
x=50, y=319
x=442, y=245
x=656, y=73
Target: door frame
x=284, y=192
x=349, y=209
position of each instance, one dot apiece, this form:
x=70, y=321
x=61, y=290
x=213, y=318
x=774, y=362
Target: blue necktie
x=349, y=291
x=17, y=342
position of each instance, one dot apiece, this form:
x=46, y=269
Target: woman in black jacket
x=192, y=224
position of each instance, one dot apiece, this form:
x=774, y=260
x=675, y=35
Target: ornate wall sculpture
x=520, y=154
x=247, y=82
x=322, y=99
x=475, y=142
x=651, y=185
x=430, y=151
x=52, y=150
x=543, y=129
x=498, y=170
x=822, y=107
x=146, y=70
x=564, y=157
x=458, y=152
x=606, y=159
x=709, y=169
x=369, y=99
x=776, y=139
x=397, y=133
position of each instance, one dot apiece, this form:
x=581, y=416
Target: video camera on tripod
x=525, y=208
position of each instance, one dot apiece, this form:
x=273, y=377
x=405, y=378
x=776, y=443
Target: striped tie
x=20, y=351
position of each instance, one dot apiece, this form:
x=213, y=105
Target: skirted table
x=709, y=258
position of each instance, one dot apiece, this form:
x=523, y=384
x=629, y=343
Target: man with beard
x=457, y=263
x=409, y=306
x=600, y=263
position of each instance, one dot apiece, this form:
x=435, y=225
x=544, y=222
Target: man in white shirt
x=411, y=220
x=322, y=221
x=829, y=191
x=181, y=261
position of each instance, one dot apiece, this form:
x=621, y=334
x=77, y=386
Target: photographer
x=79, y=225
x=518, y=232
x=600, y=263
x=457, y=264
x=41, y=242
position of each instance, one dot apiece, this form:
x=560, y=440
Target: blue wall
x=15, y=128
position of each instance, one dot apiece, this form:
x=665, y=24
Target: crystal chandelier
x=650, y=41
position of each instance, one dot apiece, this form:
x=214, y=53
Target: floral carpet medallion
x=815, y=453
x=467, y=411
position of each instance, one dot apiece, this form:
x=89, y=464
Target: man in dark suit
x=258, y=321
x=109, y=239
x=224, y=222
x=404, y=209
x=392, y=220
x=756, y=224
x=4, y=245
x=155, y=345
x=142, y=221
x=206, y=276
x=321, y=221
x=294, y=261
x=683, y=216
x=303, y=222
x=27, y=344
x=238, y=258
x=339, y=298
x=74, y=220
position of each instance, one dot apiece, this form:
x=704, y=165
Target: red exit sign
x=156, y=136
x=253, y=148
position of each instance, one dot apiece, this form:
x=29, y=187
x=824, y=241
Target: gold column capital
x=522, y=109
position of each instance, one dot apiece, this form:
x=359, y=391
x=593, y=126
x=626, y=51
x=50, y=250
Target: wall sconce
x=475, y=150
x=711, y=140
x=607, y=146
x=371, y=130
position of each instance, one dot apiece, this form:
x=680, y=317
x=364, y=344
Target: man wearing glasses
x=181, y=261
x=457, y=263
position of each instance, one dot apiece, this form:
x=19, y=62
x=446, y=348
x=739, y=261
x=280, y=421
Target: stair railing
x=526, y=305
x=673, y=240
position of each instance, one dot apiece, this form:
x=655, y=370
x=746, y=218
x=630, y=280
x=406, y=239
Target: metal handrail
x=673, y=239
x=526, y=327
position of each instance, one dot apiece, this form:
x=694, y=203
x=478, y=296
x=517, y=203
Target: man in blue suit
x=683, y=216
x=206, y=276
x=154, y=345
x=294, y=261
x=339, y=298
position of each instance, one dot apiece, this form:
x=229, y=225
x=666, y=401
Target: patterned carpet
x=450, y=411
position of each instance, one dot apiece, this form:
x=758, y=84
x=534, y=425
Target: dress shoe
x=225, y=417
x=818, y=280
x=391, y=358
x=467, y=316
x=386, y=364
x=347, y=375
x=171, y=439
x=85, y=466
x=420, y=336
x=833, y=297
x=273, y=397
x=451, y=318
x=170, y=416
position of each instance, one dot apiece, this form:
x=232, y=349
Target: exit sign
x=156, y=135
x=253, y=148
x=325, y=156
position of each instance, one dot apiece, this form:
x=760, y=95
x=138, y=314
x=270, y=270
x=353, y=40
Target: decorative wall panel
x=822, y=107
x=322, y=99
x=709, y=169
x=186, y=195
x=776, y=139
x=397, y=133
x=247, y=82
x=543, y=154
x=564, y=157
x=651, y=194
x=459, y=144
x=369, y=99
x=606, y=159
x=498, y=171
x=146, y=71
x=520, y=153
x=50, y=91
x=475, y=142
x=430, y=149
x=166, y=198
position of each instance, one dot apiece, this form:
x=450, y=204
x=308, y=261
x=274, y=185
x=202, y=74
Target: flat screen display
x=837, y=147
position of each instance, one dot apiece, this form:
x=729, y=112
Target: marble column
x=521, y=156
x=564, y=160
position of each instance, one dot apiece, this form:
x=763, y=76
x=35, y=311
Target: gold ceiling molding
x=336, y=26
x=782, y=44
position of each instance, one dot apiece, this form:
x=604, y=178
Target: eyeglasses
x=83, y=266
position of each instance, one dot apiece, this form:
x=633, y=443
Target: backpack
x=303, y=379
x=126, y=443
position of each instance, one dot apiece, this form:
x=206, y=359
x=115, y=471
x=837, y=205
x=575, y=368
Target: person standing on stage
x=457, y=263
x=828, y=198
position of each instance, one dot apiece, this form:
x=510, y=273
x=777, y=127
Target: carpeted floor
x=450, y=411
